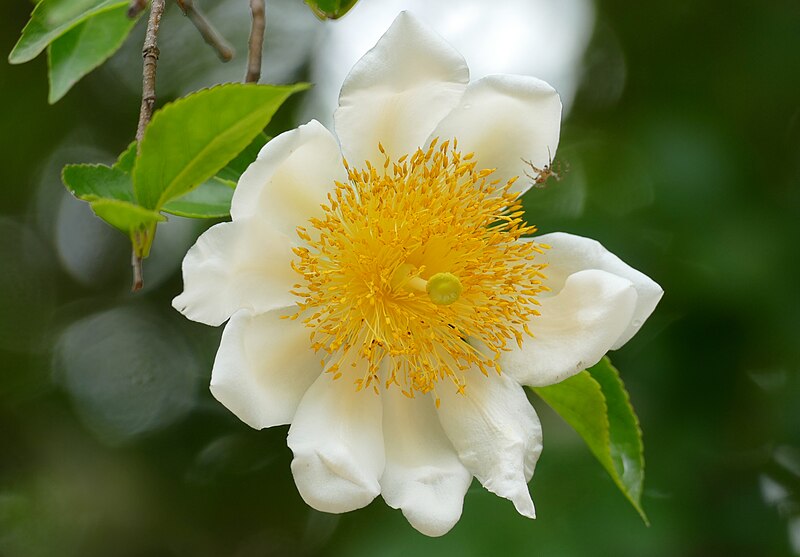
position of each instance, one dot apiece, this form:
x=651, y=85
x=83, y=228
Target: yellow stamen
x=409, y=263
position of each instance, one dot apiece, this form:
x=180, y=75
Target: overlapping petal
x=570, y=253
x=509, y=122
x=337, y=441
x=398, y=92
x=264, y=367
x=244, y=264
x=424, y=476
x=496, y=433
x=576, y=328
x=290, y=179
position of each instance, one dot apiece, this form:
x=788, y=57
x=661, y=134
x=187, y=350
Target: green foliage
x=217, y=130
x=330, y=9
x=52, y=18
x=190, y=140
x=212, y=199
x=596, y=404
x=79, y=35
x=84, y=47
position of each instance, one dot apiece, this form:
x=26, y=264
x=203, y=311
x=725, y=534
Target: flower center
x=416, y=269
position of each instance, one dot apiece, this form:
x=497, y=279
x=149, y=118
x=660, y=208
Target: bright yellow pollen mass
x=415, y=273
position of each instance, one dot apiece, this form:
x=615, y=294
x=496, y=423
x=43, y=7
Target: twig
x=150, y=60
x=207, y=31
x=256, y=41
x=138, y=279
x=136, y=7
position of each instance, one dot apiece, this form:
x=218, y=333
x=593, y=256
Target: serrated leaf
x=127, y=159
x=125, y=216
x=84, y=47
x=190, y=140
x=212, y=199
x=91, y=182
x=330, y=9
x=52, y=18
x=596, y=404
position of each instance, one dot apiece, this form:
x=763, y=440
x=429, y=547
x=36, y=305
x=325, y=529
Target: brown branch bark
x=136, y=7
x=150, y=61
x=210, y=35
x=256, y=41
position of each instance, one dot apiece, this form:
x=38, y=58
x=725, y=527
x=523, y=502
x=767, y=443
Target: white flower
x=388, y=309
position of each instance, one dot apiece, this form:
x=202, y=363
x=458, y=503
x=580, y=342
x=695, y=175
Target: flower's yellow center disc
x=417, y=273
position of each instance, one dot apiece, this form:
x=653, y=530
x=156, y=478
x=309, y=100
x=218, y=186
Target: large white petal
x=570, y=254
x=236, y=265
x=290, y=180
x=496, y=433
x=576, y=328
x=423, y=476
x=337, y=442
x=506, y=120
x=398, y=92
x=263, y=367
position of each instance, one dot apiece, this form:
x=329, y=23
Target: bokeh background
x=681, y=153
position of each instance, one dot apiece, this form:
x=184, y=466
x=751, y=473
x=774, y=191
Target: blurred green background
x=682, y=155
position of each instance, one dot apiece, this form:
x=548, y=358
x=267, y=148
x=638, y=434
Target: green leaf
x=127, y=159
x=109, y=192
x=84, y=47
x=91, y=182
x=330, y=9
x=52, y=18
x=125, y=216
x=190, y=140
x=212, y=199
x=596, y=404
x=234, y=169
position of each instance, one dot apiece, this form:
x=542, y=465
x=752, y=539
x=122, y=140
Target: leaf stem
x=210, y=35
x=256, y=41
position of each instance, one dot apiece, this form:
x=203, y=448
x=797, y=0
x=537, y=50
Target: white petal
x=290, y=179
x=570, y=254
x=504, y=119
x=423, y=476
x=496, y=433
x=398, y=92
x=337, y=443
x=236, y=265
x=263, y=367
x=576, y=328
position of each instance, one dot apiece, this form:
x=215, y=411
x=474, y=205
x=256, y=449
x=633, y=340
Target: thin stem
x=138, y=277
x=150, y=61
x=207, y=31
x=136, y=7
x=256, y=41
x=150, y=57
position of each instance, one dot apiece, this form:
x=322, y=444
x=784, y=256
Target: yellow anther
x=443, y=288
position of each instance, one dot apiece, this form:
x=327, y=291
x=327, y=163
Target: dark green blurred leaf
x=190, y=140
x=212, y=199
x=91, y=182
x=596, y=404
x=84, y=47
x=52, y=18
x=330, y=9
